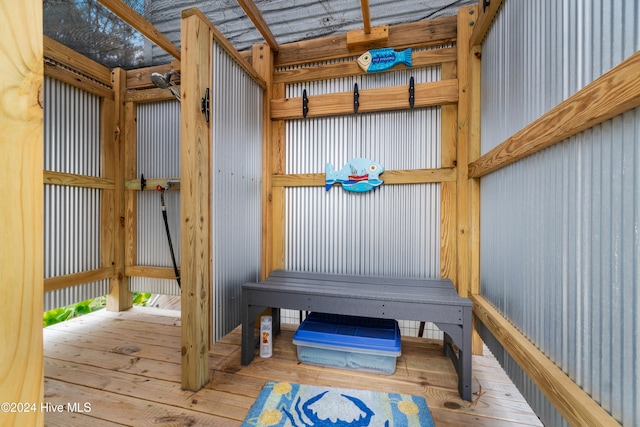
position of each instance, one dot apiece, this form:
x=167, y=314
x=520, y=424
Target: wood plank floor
x=124, y=369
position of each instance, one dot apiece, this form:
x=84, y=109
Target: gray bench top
x=408, y=290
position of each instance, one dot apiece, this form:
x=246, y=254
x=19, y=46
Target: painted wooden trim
x=425, y=58
x=77, y=80
x=150, y=272
x=424, y=33
x=612, y=94
x=195, y=203
x=381, y=99
x=21, y=216
x=131, y=17
x=73, y=180
x=62, y=55
x=226, y=45
x=409, y=176
x=569, y=399
x=482, y=19
x=69, y=280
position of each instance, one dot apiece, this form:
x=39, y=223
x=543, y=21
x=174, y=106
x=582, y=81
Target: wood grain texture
x=408, y=176
x=131, y=17
x=424, y=33
x=612, y=94
x=127, y=365
x=21, y=215
x=151, y=272
x=62, y=55
x=483, y=19
x=68, y=280
x=569, y=399
x=195, y=202
x=370, y=100
x=114, y=149
x=77, y=80
x=253, y=13
x=425, y=58
x=73, y=180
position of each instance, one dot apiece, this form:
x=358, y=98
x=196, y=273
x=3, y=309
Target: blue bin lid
x=350, y=332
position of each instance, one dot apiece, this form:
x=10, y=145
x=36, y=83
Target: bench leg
x=249, y=314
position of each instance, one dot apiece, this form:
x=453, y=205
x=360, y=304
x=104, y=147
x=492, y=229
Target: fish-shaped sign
x=383, y=59
x=358, y=175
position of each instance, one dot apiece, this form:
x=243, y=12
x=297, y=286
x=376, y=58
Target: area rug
x=299, y=405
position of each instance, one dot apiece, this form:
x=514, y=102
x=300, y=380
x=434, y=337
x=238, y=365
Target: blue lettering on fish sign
x=358, y=175
x=376, y=60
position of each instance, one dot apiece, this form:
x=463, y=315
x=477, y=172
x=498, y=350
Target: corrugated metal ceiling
x=89, y=28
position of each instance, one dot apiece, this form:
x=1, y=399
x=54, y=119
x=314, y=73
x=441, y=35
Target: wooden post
x=21, y=216
x=468, y=150
x=113, y=209
x=262, y=61
x=195, y=200
x=448, y=190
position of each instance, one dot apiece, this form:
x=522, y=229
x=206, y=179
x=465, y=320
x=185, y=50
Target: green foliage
x=61, y=314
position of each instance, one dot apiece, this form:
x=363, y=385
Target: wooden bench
x=433, y=300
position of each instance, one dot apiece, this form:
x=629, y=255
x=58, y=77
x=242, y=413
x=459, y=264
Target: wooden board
x=21, y=215
x=113, y=362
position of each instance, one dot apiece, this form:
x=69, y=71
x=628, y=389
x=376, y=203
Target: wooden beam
x=119, y=297
x=483, y=17
x=377, y=37
x=381, y=99
x=449, y=221
x=409, y=176
x=421, y=59
x=130, y=198
x=69, y=280
x=77, y=80
x=149, y=95
x=21, y=216
x=195, y=202
x=152, y=184
x=226, y=45
x=573, y=403
x=73, y=180
x=612, y=94
x=131, y=17
x=468, y=149
x=366, y=16
x=423, y=33
x=262, y=61
x=60, y=54
x=261, y=25
x=150, y=272
x=140, y=78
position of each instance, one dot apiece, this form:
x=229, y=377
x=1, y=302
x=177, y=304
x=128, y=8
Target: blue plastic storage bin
x=350, y=342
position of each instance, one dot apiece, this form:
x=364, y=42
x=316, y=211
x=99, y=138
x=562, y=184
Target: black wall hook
x=356, y=96
x=305, y=104
x=205, y=105
x=412, y=92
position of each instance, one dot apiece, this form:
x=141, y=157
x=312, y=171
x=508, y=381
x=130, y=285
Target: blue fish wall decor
x=383, y=59
x=358, y=175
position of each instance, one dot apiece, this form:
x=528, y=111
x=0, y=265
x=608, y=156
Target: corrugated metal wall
x=158, y=156
x=71, y=214
x=236, y=115
x=394, y=230
x=560, y=235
